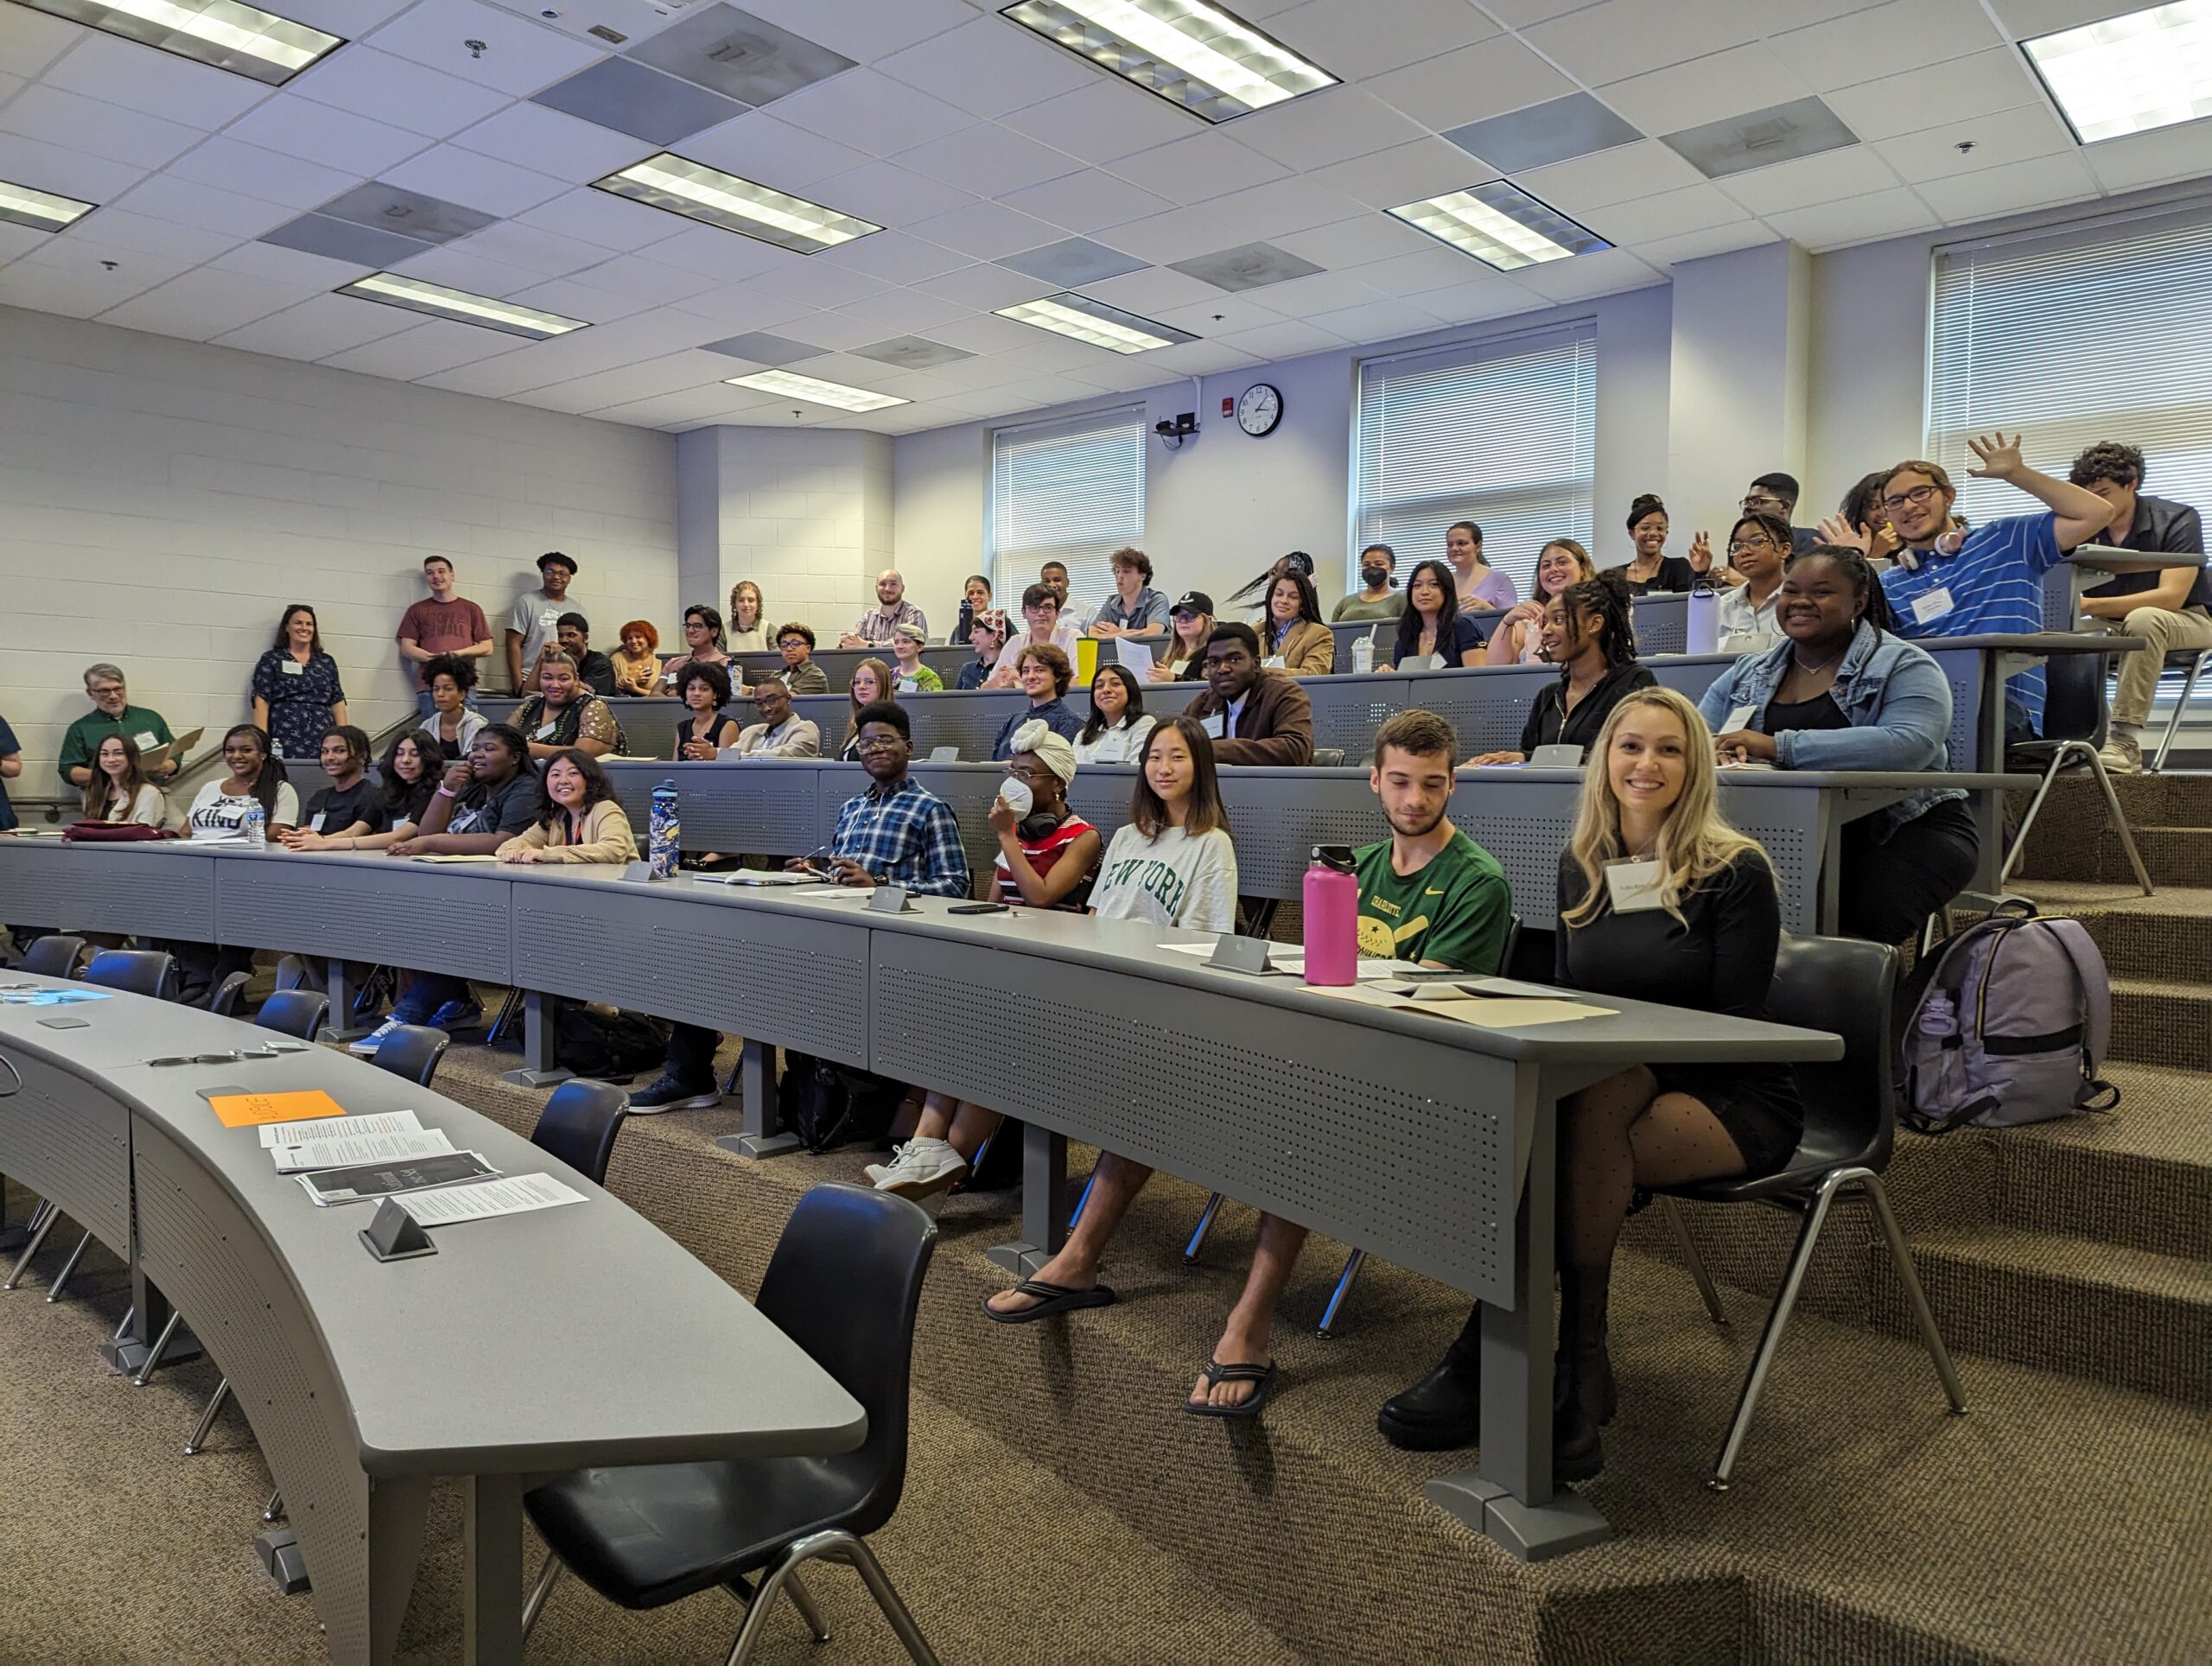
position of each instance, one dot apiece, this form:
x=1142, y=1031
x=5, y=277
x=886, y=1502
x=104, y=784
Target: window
x=2097, y=330
x=1070, y=491
x=1502, y=432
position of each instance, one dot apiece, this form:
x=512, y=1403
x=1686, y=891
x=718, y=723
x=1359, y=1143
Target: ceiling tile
x=29, y=41
x=1577, y=125
x=733, y=308
x=830, y=331
x=2007, y=135
x=1609, y=273
x=1611, y=176
x=1105, y=121
x=1698, y=246
x=640, y=277
x=2029, y=18
x=1367, y=37
x=1176, y=235
x=475, y=180
x=544, y=252
x=1621, y=38
x=1089, y=200
x=383, y=206
x=762, y=347
x=988, y=332
x=519, y=57
x=610, y=221
x=1076, y=260
x=459, y=267
x=1491, y=295
x=890, y=194
x=1287, y=339
x=317, y=327
x=1203, y=165
x=1693, y=208
x=298, y=128
x=1854, y=171
x=632, y=98
x=1318, y=292
x=265, y=175
x=531, y=135
x=1884, y=39
x=1356, y=241
x=1280, y=207
x=2169, y=153
x=167, y=197
x=89, y=178
x=159, y=84
x=1434, y=267
x=739, y=55
x=2007, y=190
x=434, y=344
x=1937, y=95
x=985, y=287
x=84, y=254
x=1486, y=78
x=1376, y=321
x=292, y=266
x=872, y=112
x=816, y=285
x=729, y=255
x=377, y=85
x=1149, y=291
x=865, y=29
x=904, y=311
x=1322, y=127
x=533, y=365
x=73, y=294
x=75, y=122
x=1410, y=172
x=120, y=227
x=348, y=19
x=205, y=303
x=986, y=67
x=985, y=230
x=895, y=257
x=756, y=146
x=341, y=239
x=988, y=160
x=1707, y=89
x=1199, y=358
x=1220, y=315
x=570, y=299
x=1855, y=219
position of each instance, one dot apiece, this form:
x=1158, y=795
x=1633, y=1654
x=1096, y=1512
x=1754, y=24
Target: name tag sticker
x=146, y=740
x=1738, y=719
x=1932, y=606
x=315, y=822
x=1273, y=662
x=544, y=729
x=291, y=667
x=1212, y=726
x=1633, y=886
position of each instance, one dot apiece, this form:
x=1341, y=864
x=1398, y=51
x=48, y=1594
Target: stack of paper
x=343, y=1151
x=515, y=1194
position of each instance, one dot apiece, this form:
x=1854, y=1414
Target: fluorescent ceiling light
x=736, y=205
x=461, y=306
x=814, y=390
x=1501, y=225
x=242, y=39
x=1094, y=321
x=1190, y=52
x=2129, y=74
x=40, y=210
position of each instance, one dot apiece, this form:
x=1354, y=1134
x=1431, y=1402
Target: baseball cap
x=569, y=561
x=1193, y=601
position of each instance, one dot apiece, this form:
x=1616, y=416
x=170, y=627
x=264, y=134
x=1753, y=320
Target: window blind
x=1501, y=432
x=2098, y=330
x=1070, y=490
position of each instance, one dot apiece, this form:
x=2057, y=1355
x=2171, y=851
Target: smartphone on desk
x=978, y=908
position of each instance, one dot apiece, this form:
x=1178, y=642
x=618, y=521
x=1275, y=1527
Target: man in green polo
x=111, y=714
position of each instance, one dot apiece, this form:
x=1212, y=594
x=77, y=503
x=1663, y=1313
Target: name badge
x=292, y=668
x=1932, y=606
x=1212, y=726
x=908, y=684
x=146, y=740
x=1737, y=720
x=1633, y=886
x=544, y=729
x=1273, y=662
x=315, y=822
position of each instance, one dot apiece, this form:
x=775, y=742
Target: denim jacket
x=1896, y=698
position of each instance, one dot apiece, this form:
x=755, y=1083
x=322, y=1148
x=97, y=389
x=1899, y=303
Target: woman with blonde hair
x=1661, y=901
x=749, y=618
x=1518, y=637
x=871, y=683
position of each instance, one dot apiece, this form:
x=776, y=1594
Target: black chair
x=412, y=1050
x=53, y=955
x=844, y=1283
x=2074, y=714
x=579, y=1123
x=2192, y=663
x=224, y=1004
x=1844, y=986
x=295, y=1013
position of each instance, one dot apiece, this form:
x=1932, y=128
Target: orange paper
x=252, y=1109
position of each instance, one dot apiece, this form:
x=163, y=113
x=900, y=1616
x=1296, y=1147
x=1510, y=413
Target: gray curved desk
x=528, y=1344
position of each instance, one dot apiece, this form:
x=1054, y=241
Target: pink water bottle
x=1332, y=897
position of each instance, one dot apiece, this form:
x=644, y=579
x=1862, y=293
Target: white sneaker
x=920, y=1168
x=368, y=1044
x=2121, y=754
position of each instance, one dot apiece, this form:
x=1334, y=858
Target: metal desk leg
x=763, y=1134
x=1510, y=1495
x=339, y=1025
x=491, y=1531
x=1988, y=808
x=1829, y=907
x=540, y=1069
x=1044, y=1203
x=150, y=1315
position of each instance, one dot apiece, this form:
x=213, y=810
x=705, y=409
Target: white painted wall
x=1738, y=376
x=161, y=500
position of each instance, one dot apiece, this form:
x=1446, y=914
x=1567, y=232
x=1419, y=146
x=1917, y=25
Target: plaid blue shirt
x=908, y=836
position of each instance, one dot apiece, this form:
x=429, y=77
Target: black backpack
x=606, y=1045
x=826, y=1105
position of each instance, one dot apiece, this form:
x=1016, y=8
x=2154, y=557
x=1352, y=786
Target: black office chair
x=297, y=1012
x=53, y=955
x=412, y=1050
x=2073, y=728
x=2192, y=663
x=844, y=1283
x=1842, y=985
x=224, y=1004
x=579, y=1123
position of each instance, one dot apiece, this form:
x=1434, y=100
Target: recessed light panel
x=243, y=40
x=814, y=390
x=1082, y=318
x=2129, y=74
x=1192, y=53
x=40, y=210
x=462, y=307
x=707, y=193
x=1501, y=225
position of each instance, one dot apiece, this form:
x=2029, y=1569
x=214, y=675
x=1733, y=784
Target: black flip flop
x=1216, y=1373
x=1052, y=1299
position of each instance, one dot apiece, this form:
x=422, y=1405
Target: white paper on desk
x=1135, y=658
x=339, y=1152
x=331, y=1127
x=850, y=893
x=515, y=1194
x=1284, y=958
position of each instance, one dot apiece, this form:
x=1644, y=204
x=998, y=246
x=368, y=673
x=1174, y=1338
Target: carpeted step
x=2129, y=1318
x=2167, y=936
x=2084, y=847
x=2155, y=1022
x=2139, y=1176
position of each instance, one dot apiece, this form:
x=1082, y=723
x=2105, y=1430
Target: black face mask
x=1374, y=577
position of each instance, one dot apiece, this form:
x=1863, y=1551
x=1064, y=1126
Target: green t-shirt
x=923, y=681
x=1354, y=607
x=1455, y=911
x=84, y=736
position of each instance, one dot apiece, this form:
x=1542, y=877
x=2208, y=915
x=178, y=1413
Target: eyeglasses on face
x=878, y=743
x=1762, y=500
x=1912, y=498
x=1737, y=546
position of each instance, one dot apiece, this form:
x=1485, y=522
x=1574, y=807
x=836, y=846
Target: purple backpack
x=2012, y=1022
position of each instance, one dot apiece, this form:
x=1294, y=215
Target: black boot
x=1444, y=1409
x=1578, y=1452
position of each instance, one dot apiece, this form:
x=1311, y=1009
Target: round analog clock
x=1260, y=408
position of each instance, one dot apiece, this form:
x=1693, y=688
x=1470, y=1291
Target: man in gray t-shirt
x=535, y=619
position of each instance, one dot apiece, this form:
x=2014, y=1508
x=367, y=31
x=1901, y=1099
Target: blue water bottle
x=664, y=832
x=1702, y=632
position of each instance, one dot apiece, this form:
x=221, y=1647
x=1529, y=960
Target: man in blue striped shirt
x=1989, y=581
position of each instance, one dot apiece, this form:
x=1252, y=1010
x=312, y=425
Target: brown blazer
x=1275, y=727
x=1308, y=650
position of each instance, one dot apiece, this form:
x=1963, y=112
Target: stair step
x=2159, y=1022
x=2129, y=1318
x=2139, y=1176
x=2084, y=847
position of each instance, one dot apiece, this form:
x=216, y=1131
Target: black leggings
x=1889, y=889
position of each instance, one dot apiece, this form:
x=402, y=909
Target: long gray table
x=527, y=1345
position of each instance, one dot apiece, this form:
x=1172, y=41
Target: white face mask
x=1017, y=797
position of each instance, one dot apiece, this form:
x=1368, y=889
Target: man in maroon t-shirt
x=442, y=622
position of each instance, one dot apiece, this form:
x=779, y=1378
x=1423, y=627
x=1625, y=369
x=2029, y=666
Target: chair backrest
x=579, y=1123
x=845, y=1284
x=1846, y=987
x=297, y=1012
x=54, y=956
x=1510, y=947
x=139, y=972
x=2073, y=697
x=224, y=1004
x=412, y=1050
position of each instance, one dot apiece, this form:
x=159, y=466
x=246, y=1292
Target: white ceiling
x=971, y=140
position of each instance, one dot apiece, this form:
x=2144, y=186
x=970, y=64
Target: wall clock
x=1260, y=410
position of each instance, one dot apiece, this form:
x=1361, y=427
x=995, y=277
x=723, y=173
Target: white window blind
x=2092, y=331
x=1501, y=432
x=1070, y=491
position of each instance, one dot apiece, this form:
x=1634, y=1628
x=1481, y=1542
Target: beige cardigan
x=606, y=837
x=1308, y=650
